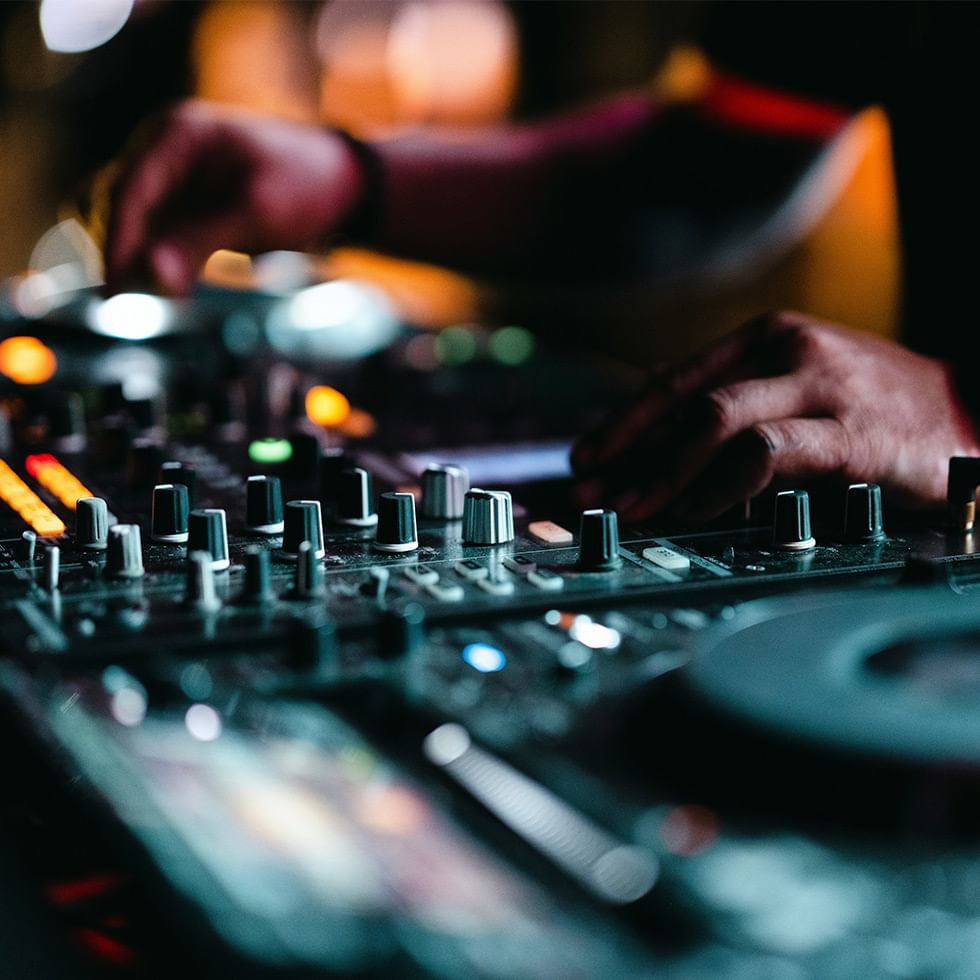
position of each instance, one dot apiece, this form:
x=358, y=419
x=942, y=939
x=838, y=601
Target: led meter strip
x=21, y=499
x=56, y=479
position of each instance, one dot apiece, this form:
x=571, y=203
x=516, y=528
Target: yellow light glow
x=26, y=360
x=359, y=424
x=326, y=406
x=57, y=479
x=21, y=499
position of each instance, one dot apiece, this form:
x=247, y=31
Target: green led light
x=511, y=345
x=455, y=345
x=270, y=450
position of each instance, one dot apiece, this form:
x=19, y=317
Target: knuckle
x=720, y=407
x=764, y=439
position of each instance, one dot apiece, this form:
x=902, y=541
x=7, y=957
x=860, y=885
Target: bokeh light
x=80, y=25
x=27, y=361
x=326, y=406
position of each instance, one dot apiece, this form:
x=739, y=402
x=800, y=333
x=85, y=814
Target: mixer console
x=340, y=712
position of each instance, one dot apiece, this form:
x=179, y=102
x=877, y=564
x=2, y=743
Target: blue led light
x=484, y=658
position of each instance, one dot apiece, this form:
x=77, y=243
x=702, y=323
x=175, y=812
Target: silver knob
x=488, y=517
x=91, y=523
x=125, y=554
x=444, y=489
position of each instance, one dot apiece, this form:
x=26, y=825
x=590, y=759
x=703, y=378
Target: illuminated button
x=667, y=558
x=271, y=451
x=485, y=658
x=421, y=575
x=445, y=591
x=56, y=479
x=496, y=586
x=520, y=565
x=21, y=499
x=549, y=533
x=472, y=570
x=546, y=581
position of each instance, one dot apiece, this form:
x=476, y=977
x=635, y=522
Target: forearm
x=492, y=200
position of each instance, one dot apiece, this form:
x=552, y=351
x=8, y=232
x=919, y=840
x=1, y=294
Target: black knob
x=124, y=557
x=396, y=523
x=201, y=594
x=862, y=513
x=444, y=489
x=333, y=462
x=208, y=531
x=174, y=472
x=303, y=523
x=354, y=501
x=258, y=586
x=91, y=523
x=401, y=631
x=145, y=457
x=599, y=541
x=308, y=581
x=169, y=513
x=302, y=463
x=791, y=525
x=263, y=505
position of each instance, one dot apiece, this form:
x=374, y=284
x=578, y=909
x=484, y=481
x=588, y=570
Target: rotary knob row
x=863, y=521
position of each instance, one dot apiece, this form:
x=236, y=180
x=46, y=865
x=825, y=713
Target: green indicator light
x=455, y=345
x=511, y=345
x=270, y=450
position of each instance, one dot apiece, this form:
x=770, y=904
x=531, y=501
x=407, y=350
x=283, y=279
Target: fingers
x=661, y=467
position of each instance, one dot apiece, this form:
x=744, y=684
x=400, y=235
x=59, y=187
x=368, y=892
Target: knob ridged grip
x=208, y=531
x=599, y=541
x=263, y=505
x=863, y=519
x=396, y=523
x=488, y=517
x=303, y=522
x=124, y=557
x=444, y=489
x=791, y=524
x=169, y=513
x=91, y=523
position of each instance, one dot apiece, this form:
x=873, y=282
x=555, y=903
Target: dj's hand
x=211, y=177
x=784, y=397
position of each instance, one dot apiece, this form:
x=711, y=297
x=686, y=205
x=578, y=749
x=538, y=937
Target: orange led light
x=27, y=361
x=56, y=479
x=326, y=406
x=21, y=499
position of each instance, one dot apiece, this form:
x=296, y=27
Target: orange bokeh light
x=326, y=406
x=27, y=361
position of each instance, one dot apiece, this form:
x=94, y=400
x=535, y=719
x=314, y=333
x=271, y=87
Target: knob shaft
x=488, y=517
x=862, y=513
x=308, y=582
x=124, y=556
x=51, y=569
x=444, y=489
x=599, y=541
x=201, y=593
x=170, y=510
x=396, y=523
x=303, y=522
x=791, y=525
x=208, y=531
x=263, y=505
x=355, y=499
x=28, y=545
x=91, y=523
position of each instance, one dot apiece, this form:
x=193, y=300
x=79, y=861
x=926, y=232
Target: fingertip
x=171, y=269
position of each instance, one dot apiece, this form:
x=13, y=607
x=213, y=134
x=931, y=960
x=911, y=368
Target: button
x=124, y=556
x=667, y=558
x=791, y=525
x=519, y=565
x=91, y=523
x=599, y=541
x=169, y=513
x=488, y=517
x=208, y=531
x=355, y=499
x=444, y=489
x=496, y=586
x=396, y=523
x=263, y=505
x=862, y=513
x=201, y=594
x=445, y=591
x=546, y=580
x=303, y=522
x=549, y=533
x=421, y=575
x=472, y=570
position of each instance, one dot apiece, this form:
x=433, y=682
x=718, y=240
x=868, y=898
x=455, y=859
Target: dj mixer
x=330, y=708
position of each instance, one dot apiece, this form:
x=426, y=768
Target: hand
x=211, y=177
x=785, y=397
